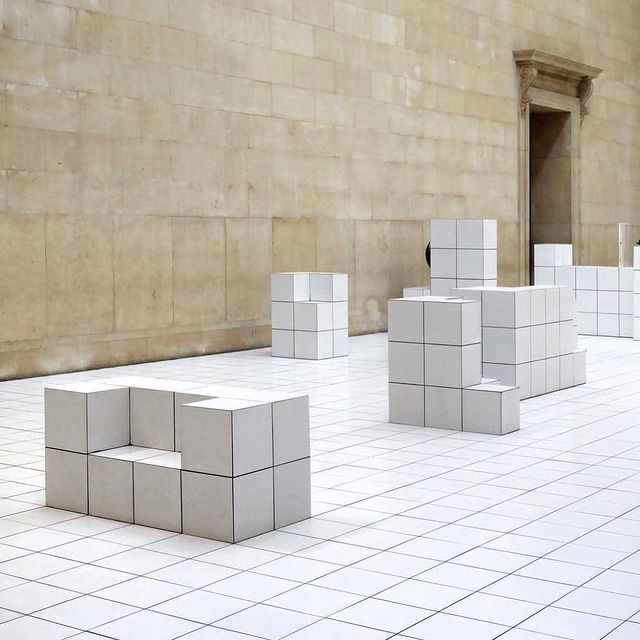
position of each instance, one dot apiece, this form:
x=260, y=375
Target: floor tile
x=147, y=625
x=382, y=615
x=267, y=622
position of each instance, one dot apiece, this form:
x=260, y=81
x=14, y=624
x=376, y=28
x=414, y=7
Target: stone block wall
x=160, y=158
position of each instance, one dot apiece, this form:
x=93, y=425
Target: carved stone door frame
x=551, y=83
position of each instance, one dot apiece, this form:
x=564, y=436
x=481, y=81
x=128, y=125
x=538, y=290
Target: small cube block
x=506, y=307
x=66, y=480
x=282, y=315
x=157, y=495
x=452, y=322
x=110, y=487
x=476, y=234
x=491, y=408
x=328, y=287
x=292, y=492
x=289, y=287
x=406, y=362
x=406, y=320
x=443, y=408
x=450, y=366
x=313, y=345
x=313, y=316
x=282, y=343
x=443, y=233
x=340, y=342
x=406, y=404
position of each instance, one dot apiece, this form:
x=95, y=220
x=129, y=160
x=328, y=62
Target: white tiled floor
x=417, y=533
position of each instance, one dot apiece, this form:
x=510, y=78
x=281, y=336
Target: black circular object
x=427, y=255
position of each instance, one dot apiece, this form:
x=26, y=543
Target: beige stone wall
x=159, y=158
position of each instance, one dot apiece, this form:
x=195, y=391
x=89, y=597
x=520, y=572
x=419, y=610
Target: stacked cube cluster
x=216, y=462
x=463, y=254
x=604, y=295
x=309, y=315
x=529, y=338
x=435, y=367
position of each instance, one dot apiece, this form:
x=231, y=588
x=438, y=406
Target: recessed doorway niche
x=553, y=102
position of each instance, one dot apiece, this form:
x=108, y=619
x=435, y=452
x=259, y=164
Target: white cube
x=180, y=399
x=625, y=303
x=291, y=492
x=86, y=416
x=476, y=234
x=443, y=233
x=566, y=371
x=290, y=416
x=568, y=337
x=454, y=322
x=227, y=509
x=282, y=315
x=227, y=436
x=552, y=374
x=538, y=304
x=415, y=292
x=506, y=307
x=580, y=366
x=443, y=264
x=625, y=276
x=340, y=342
x=282, y=343
x=450, y=366
x=406, y=362
x=544, y=275
x=442, y=286
x=340, y=315
x=476, y=264
x=538, y=342
x=156, y=492
x=538, y=377
x=586, y=301
x=566, y=277
x=491, y=408
x=66, y=481
x=552, y=339
x=443, y=408
x=313, y=345
x=508, y=346
x=152, y=418
x=608, y=302
x=587, y=324
x=544, y=255
x=607, y=279
x=626, y=325
x=406, y=404
x=328, y=287
x=552, y=304
x=587, y=278
x=110, y=487
x=608, y=324
x=406, y=320
x=567, y=304
x=312, y=316
x=289, y=287
x=516, y=375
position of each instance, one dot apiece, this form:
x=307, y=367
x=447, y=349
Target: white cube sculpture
x=435, y=368
x=221, y=462
x=604, y=295
x=309, y=315
x=529, y=338
x=463, y=254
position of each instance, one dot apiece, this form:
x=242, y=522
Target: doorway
x=550, y=178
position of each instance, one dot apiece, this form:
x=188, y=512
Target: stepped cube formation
x=309, y=315
x=218, y=462
x=604, y=295
x=435, y=377
x=529, y=338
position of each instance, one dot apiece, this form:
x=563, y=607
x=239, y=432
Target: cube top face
x=85, y=387
x=130, y=453
x=170, y=460
x=225, y=404
x=289, y=287
x=152, y=384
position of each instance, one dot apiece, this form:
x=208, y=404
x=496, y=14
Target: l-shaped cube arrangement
x=309, y=315
x=604, y=295
x=216, y=461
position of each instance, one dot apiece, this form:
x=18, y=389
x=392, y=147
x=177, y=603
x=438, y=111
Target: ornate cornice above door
x=547, y=71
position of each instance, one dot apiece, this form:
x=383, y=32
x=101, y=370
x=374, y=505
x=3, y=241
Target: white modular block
x=538, y=377
x=566, y=371
x=608, y=324
x=471, y=282
x=516, y=375
x=586, y=301
x=110, y=487
x=453, y=322
x=340, y=315
x=587, y=278
x=625, y=275
x=491, y=408
x=228, y=509
x=180, y=399
x=552, y=339
x=636, y=280
x=608, y=302
x=86, y=417
x=406, y=362
x=636, y=328
x=66, y=480
x=538, y=342
x=506, y=346
x=313, y=316
x=567, y=304
x=328, y=287
x=289, y=287
x=636, y=257
x=625, y=303
x=416, y=292
x=544, y=275
x=636, y=304
x=152, y=418
x=567, y=254
x=406, y=404
x=340, y=342
x=443, y=264
x=157, y=495
x=290, y=416
x=476, y=264
x=450, y=366
x=292, y=492
x=406, y=320
x=538, y=304
x=607, y=279
x=468, y=293
x=282, y=343
x=442, y=286
x=552, y=304
x=476, y=234
x=587, y=324
x=443, y=408
x=552, y=374
x=552, y=255
x=313, y=345
x=282, y=315
x=580, y=366
x=506, y=307
x=626, y=325
x=568, y=337
x=443, y=234
x=566, y=277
